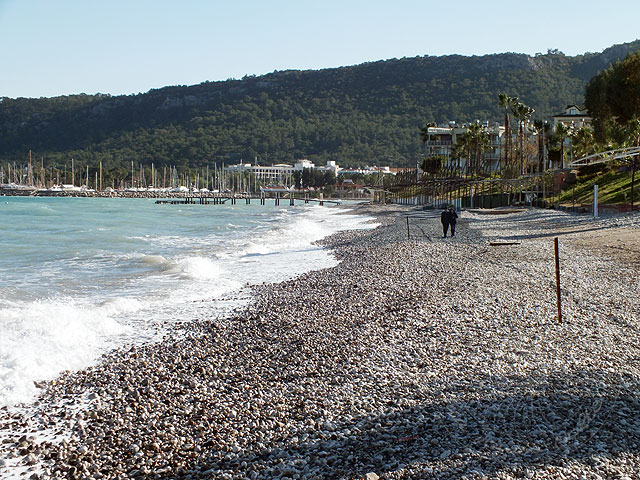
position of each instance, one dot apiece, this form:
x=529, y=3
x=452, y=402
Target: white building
x=331, y=166
x=574, y=116
x=280, y=173
x=368, y=171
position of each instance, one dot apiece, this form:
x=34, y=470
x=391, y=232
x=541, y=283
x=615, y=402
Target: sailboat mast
x=29, y=174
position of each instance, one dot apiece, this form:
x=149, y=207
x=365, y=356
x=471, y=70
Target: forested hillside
x=365, y=114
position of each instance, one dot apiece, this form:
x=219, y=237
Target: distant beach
x=416, y=356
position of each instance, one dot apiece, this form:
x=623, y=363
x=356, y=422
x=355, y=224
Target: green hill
x=365, y=114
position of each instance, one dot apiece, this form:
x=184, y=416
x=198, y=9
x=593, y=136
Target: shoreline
x=427, y=358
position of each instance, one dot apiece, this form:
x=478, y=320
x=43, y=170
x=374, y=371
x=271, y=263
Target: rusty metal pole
x=555, y=243
x=633, y=178
x=408, y=235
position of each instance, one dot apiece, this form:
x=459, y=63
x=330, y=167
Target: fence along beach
x=420, y=358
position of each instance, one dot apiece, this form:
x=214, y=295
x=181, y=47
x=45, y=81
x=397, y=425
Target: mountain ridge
x=366, y=113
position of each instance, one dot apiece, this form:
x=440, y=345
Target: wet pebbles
x=421, y=358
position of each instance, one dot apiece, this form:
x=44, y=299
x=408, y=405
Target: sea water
x=81, y=276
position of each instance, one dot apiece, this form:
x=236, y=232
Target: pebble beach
x=419, y=357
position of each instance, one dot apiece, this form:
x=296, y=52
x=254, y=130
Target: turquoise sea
x=81, y=276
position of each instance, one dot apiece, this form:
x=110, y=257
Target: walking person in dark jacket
x=445, y=218
x=452, y=221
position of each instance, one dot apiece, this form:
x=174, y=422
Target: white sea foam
x=44, y=337
x=154, y=260
x=288, y=249
x=119, y=305
x=196, y=268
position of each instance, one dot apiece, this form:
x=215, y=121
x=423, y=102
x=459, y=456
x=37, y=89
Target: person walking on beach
x=452, y=221
x=445, y=218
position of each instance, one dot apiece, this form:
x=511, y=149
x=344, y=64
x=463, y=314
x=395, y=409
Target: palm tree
x=461, y=149
x=507, y=102
x=561, y=132
x=522, y=112
x=542, y=128
x=583, y=142
x=472, y=145
x=480, y=143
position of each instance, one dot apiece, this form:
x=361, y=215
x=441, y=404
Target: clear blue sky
x=61, y=47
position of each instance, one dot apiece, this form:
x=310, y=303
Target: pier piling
x=222, y=199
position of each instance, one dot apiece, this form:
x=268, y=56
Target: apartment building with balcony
x=441, y=141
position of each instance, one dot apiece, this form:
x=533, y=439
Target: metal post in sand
x=555, y=243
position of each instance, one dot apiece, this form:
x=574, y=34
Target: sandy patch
x=620, y=243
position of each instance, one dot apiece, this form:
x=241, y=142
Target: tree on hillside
x=613, y=97
x=598, y=106
x=356, y=115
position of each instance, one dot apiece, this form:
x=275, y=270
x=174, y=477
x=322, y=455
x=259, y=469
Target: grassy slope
x=614, y=186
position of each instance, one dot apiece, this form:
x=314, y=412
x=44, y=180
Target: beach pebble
x=420, y=358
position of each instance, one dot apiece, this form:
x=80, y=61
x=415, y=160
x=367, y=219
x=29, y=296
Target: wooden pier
x=223, y=199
